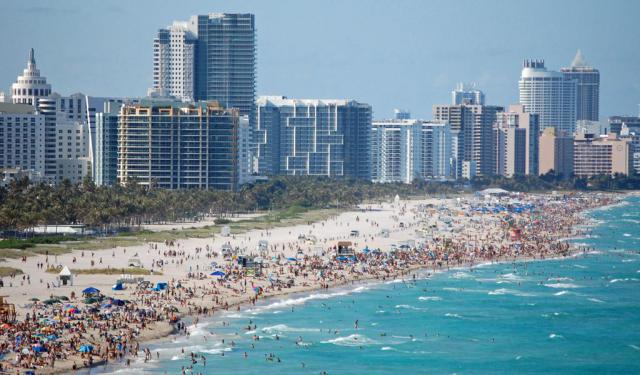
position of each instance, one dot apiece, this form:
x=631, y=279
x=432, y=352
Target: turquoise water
x=573, y=316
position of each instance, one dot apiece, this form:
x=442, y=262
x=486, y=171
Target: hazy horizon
x=405, y=54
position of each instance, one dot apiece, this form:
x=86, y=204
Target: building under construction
x=175, y=145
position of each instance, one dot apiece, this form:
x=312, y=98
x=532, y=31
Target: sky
x=390, y=54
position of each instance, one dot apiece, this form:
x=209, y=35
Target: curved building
x=549, y=94
x=30, y=86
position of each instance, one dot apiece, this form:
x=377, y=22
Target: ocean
x=579, y=315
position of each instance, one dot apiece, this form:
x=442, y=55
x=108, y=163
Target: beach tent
x=65, y=277
x=218, y=273
x=90, y=291
x=118, y=286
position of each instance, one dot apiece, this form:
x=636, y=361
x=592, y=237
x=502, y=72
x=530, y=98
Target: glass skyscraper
x=587, y=90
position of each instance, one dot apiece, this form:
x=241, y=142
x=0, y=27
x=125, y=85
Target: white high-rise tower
x=549, y=94
x=30, y=86
x=174, y=61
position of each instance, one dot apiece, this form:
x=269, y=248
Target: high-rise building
x=518, y=117
x=105, y=159
x=467, y=94
x=587, y=89
x=549, y=94
x=176, y=145
x=556, y=153
x=401, y=114
x=598, y=155
x=404, y=150
x=616, y=123
x=174, y=56
x=30, y=86
x=510, y=148
x=472, y=131
x=22, y=137
x=313, y=137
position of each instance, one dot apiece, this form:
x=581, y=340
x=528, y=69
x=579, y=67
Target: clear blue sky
x=406, y=54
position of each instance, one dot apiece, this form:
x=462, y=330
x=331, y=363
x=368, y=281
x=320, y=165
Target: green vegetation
x=14, y=243
x=106, y=271
x=8, y=271
x=283, y=198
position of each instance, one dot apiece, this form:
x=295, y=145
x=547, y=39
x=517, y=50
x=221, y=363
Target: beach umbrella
x=39, y=349
x=217, y=273
x=161, y=286
x=34, y=299
x=5, y=326
x=29, y=372
x=117, y=302
x=118, y=286
x=52, y=337
x=90, y=290
x=62, y=298
x=51, y=301
x=86, y=349
x=342, y=258
x=214, y=264
x=73, y=310
x=292, y=259
x=25, y=351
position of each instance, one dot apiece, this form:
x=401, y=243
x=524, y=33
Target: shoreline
x=148, y=336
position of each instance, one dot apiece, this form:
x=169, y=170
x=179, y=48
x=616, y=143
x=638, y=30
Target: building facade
x=30, y=86
x=518, y=117
x=175, y=145
x=472, y=128
x=616, y=123
x=556, y=153
x=405, y=150
x=596, y=155
x=511, y=151
x=22, y=138
x=313, y=137
x=467, y=94
x=587, y=88
x=174, y=61
x=549, y=94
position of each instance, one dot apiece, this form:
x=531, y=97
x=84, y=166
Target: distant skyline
x=402, y=54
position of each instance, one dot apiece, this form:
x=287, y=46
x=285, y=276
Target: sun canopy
x=91, y=290
x=217, y=273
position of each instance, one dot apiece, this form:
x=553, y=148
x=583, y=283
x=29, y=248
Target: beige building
x=595, y=155
x=556, y=152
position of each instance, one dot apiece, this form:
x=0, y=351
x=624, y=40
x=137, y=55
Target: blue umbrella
x=91, y=290
x=52, y=337
x=39, y=349
x=342, y=258
x=86, y=349
x=117, y=302
x=217, y=273
x=161, y=286
x=292, y=259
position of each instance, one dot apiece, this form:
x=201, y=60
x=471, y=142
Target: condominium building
x=472, y=128
x=313, y=137
x=176, y=145
x=22, y=138
x=467, y=94
x=518, y=117
x=174, y=56
x=596, y=155
x=405, y=150
x=549, y=94
x=511, y=151
x=587, y=88
x=30, y=86
x=556, y=152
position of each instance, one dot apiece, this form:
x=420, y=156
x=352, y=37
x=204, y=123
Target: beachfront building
x=176, y=145
x=472, y=134
x=467, y=94
x=22, y=138
x=595, y=155
x=409, y=149
x=549, y=94
x=556, y=153
x=518, y=118
x=510, y=148
x=314, y=137
x=30, y=86
x=587, y=88
x=174, y=61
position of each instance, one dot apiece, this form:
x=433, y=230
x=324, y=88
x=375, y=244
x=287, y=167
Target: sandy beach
x=387, y=240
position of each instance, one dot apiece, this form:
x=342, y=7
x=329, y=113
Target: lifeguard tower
x=7, y=311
